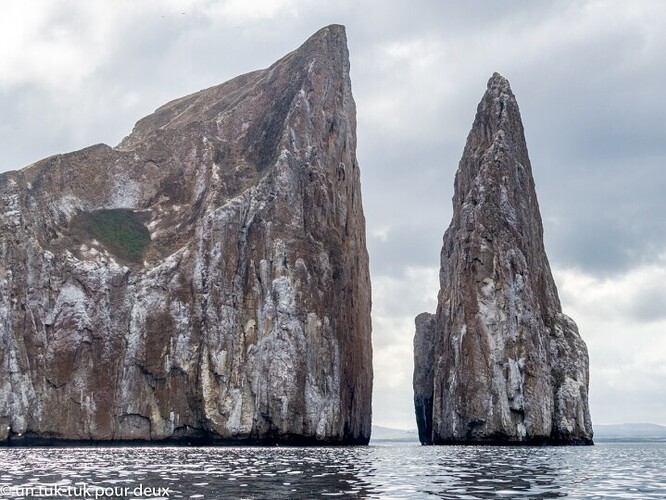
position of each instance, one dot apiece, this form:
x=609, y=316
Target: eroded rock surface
x=507, y=365
x=245, y=316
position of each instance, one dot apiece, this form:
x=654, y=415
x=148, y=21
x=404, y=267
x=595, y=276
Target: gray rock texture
x=499, y=363
x=228, y=302
x=424, y=352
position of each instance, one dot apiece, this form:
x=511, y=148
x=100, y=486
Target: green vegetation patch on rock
x=120, y=230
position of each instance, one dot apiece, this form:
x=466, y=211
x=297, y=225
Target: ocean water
x=378, y=471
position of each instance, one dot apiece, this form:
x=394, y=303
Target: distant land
x=630, y=432
x=380, y=433
x=608, y=433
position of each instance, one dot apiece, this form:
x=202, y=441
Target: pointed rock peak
x=328, y=43
x=498, y=110
x=330, y=33
x=276, y=86
x=498, y=85
x=499, y=362
x=496, y=150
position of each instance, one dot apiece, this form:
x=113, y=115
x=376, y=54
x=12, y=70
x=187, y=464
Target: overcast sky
x=590, y=79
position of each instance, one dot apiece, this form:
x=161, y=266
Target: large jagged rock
x=499, y=362
x=229, y=301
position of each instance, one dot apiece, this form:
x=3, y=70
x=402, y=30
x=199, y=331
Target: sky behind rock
x=589, y=77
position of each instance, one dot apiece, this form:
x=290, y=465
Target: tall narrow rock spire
x=507, y=365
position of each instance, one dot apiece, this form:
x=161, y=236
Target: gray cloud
x=613, y=404
x=405, y=245
x=649, y=304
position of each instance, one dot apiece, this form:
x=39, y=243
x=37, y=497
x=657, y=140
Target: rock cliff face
x=499, y=362
x=207, y=279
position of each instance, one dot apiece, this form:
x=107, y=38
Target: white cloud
x=637, y=295
x=409, y=86
x=57, y=44
x=237, y=11
x=397, y=300
x=625, y=335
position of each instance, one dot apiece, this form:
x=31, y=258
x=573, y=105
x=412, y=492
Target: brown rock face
x=205, y=279
x=507, y=366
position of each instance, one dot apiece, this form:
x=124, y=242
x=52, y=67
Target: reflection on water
x=487, y=472
x=385, y=471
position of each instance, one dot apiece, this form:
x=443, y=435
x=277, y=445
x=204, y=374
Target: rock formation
x=499, y=363
x=207, y=279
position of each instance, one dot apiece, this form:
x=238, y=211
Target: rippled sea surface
x=377, y=471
